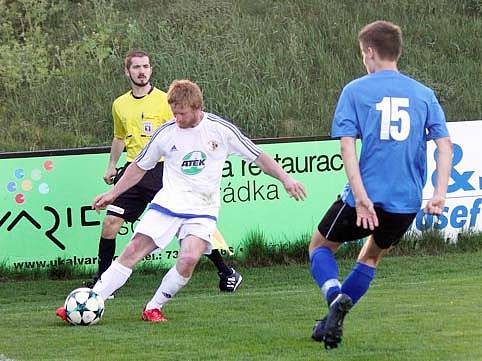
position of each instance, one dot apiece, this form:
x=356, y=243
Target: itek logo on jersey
x=193, y=163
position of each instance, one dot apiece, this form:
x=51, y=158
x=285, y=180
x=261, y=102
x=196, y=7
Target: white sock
x=170, y=285
x=112, y=279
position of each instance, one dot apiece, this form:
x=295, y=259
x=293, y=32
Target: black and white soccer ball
x=84, y=307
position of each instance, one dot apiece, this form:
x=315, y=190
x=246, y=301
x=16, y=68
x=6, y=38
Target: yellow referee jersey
x=136, y=119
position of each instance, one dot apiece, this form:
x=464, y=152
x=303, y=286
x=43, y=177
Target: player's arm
x=269, y=166
x=145, y=160
x=116, y=150
x=131, y=177
x=444, y=166
x=365, y=211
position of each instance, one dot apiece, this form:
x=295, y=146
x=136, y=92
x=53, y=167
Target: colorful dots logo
x=27, y=185
x=23, y=184
x=43, y=188
x=11, y=187
x=36, y=174
x=19, y=198
x=49, y=165
x=19, y=173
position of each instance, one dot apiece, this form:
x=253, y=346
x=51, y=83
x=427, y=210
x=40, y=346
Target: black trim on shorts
x=134, y=201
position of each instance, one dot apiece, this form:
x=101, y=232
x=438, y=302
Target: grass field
x=419, y=308
x=276, y=68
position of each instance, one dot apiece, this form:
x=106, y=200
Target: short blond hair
x=185, y=93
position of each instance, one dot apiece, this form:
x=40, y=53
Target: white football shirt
x=193, y=164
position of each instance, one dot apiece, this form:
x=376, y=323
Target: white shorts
x=162, y=228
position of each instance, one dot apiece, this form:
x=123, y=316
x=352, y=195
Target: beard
x=136, y=83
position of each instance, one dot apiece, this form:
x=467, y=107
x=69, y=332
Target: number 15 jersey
x=394, y=116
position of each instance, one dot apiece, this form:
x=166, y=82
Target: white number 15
x=391, y=112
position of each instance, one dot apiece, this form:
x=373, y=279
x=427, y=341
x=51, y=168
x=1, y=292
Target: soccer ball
x=84, y=307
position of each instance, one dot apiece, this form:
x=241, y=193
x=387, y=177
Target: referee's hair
x=134, y=54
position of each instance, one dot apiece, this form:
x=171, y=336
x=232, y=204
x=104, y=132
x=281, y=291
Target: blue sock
x=324, y=270
x=356, y=284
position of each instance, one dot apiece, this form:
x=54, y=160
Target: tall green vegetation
x=275, y=67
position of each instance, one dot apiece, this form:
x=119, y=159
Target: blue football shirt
x=394, y=116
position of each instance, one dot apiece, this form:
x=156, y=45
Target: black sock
x=218, y=261
x=106, y=254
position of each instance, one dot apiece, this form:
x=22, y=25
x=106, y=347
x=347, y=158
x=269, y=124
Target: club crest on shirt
x=147, y=128
x=212, y=145
x=193, y=162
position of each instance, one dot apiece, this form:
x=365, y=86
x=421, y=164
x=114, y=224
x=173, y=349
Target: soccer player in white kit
x=195, y=146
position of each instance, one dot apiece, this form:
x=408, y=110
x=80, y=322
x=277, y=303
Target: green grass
x=275, y=67
x=418, y=308
x=259, y=251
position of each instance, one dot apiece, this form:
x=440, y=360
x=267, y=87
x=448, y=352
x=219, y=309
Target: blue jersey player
x=394, y=116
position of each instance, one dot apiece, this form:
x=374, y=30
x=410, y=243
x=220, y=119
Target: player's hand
x=109, y=175
x=295, y=189
x=366, y=216
x=102, y=201
x=435, y=205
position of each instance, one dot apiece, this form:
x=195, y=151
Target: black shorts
x=132, y=203
x=339, y=225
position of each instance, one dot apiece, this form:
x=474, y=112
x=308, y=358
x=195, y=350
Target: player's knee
x=186, y=262
x=130, y=255
x=318, y=240
x=130, y=250
x=111, y=226
x=371, y=259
